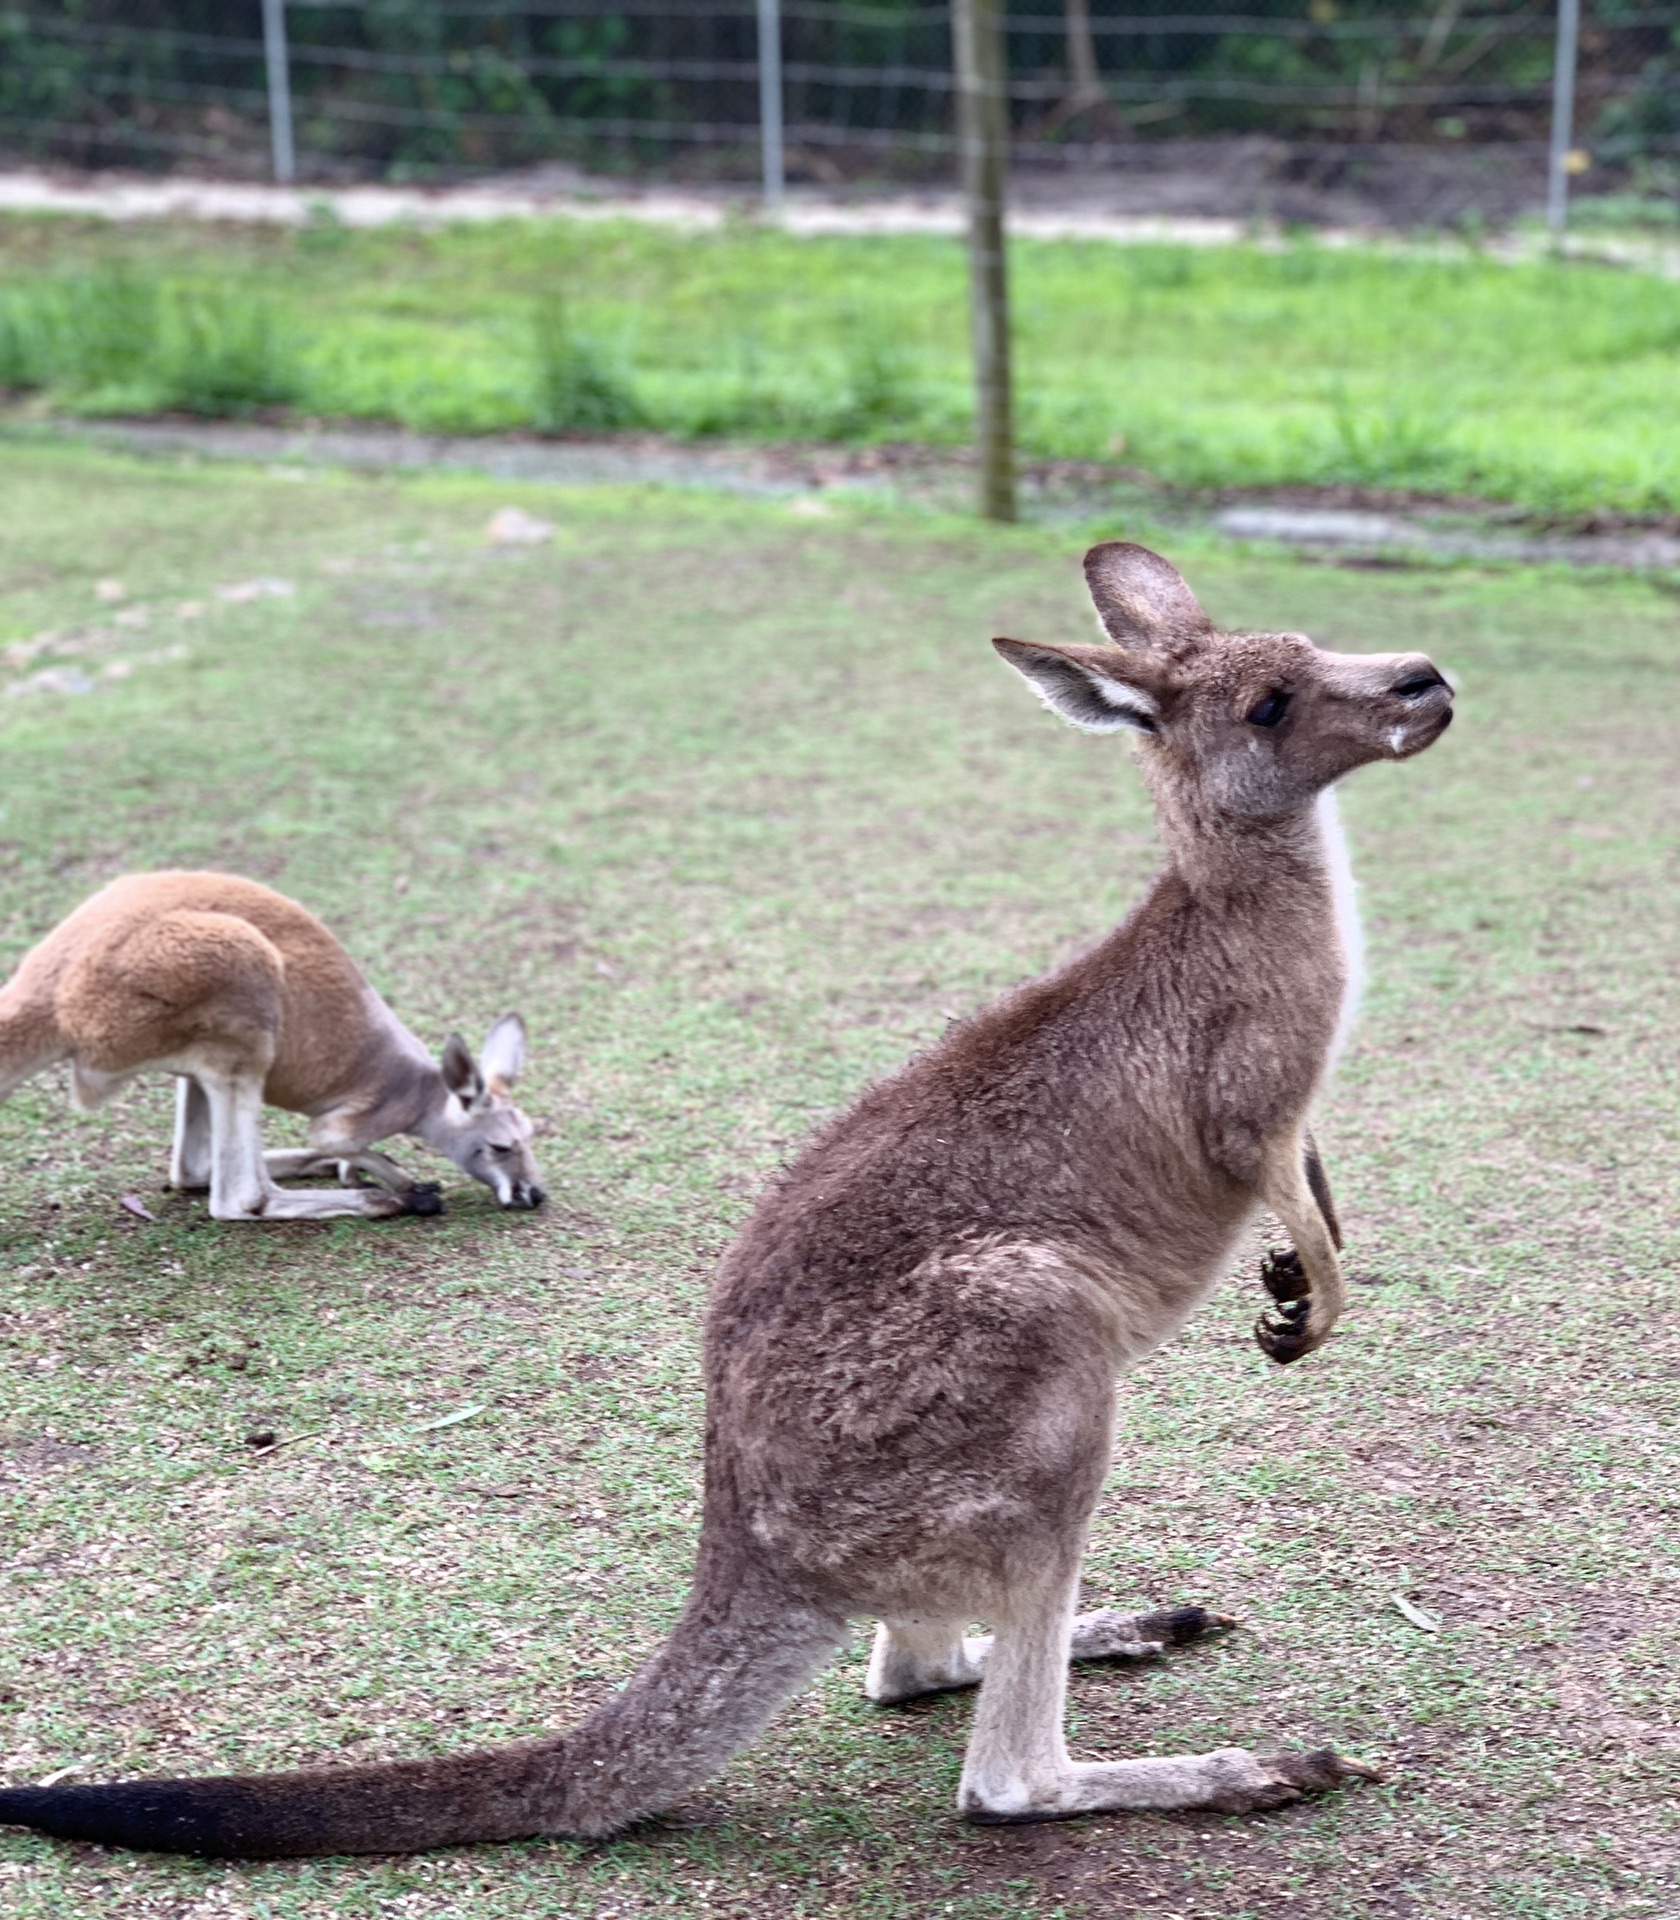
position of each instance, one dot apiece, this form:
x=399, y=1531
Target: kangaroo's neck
x=1290, y=875
x=411, y=1095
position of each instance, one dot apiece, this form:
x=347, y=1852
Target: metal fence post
x=1563, y=116
x=279, y=91
x=770, y=102
x=983, y=136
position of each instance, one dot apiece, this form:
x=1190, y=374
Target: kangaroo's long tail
x=732, y=1660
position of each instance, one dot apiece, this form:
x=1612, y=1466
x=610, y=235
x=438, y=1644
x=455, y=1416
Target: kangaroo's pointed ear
x=460, y=1074
x=1141, y=599
x=1096, y=688
x=503, y=1058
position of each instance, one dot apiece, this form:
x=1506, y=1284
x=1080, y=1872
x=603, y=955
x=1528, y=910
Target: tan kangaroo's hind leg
x=1307, y=1284
x=913, y=1657
x=1017, y=1767
x=189, y=1156
x=241, y=1187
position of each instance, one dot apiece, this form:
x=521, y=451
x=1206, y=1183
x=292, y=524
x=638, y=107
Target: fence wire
x=418, y=89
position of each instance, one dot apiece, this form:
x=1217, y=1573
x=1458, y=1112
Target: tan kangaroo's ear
x=503, y=1058
x=1141, y=599
x=1094, y=687
x=460, y=1074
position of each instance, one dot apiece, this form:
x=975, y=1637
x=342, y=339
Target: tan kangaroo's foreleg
x=1017, y=1767
x=1309, y=1288
x=291, y=1163
x=913, y=1657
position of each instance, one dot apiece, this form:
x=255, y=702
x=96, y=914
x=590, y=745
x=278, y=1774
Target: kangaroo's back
x=249, y=942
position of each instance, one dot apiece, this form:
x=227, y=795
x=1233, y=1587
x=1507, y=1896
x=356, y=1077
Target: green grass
x=1554, y=385
x=734, y=805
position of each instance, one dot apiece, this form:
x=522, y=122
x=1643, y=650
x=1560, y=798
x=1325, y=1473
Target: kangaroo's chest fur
x=1120, y=1106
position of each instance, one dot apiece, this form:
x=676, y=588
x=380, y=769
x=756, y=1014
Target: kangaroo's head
x=480, y=1128
x=1233, y=726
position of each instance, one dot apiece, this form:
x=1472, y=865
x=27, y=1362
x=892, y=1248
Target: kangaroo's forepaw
x=1178, y=1626
x=1283, y=1335
x=1283, y=1276
x=1261, y=1781
x=425, y=1196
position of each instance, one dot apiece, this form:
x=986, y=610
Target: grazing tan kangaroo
x=249, y=1000
x=912, y=1347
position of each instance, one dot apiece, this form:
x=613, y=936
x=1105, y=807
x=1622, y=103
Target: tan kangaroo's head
x=1235, y=725
x=481, y=1130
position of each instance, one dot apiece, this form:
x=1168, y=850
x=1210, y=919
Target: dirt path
x=1123, y=208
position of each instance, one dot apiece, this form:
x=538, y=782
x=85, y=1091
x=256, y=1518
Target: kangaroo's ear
x=503, y=1058
x=1094, y=687
x=460, y=1074
x=1141, y=599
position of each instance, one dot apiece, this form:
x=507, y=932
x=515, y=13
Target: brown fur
x=250, y=1001
x=912, y=1347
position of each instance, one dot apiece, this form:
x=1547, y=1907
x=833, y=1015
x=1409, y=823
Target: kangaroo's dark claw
x=1283, y=1276
x=425, y=1197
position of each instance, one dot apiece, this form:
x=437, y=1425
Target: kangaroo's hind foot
x=911, y=1658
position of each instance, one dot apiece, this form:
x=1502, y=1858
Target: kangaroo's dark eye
x=1268, y=712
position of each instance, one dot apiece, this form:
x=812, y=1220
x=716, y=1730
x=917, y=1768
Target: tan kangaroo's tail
x=731, y=1662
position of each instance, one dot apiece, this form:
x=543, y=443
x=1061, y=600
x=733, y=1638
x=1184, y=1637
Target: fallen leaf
x=1424, y=1622
x=137, y=1207
x=450, y=1419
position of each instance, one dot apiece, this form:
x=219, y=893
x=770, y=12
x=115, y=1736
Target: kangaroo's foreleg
x=1017, y=1767
x=1308, y=1284
x=913, y=1657
x=293, y=1163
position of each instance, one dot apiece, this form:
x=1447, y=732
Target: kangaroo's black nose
x=532, y=1197
x=1418, y=682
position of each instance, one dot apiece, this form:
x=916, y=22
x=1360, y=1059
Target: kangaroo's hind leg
x=914, y=1657
x=241, y=1185
x=1017, y=1766
x=189, y=1156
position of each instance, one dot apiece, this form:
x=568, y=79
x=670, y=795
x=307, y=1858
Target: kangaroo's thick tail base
x=735, y=1656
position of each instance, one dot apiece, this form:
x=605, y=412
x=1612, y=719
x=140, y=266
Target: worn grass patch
x=1552, y=384
x=736, y=806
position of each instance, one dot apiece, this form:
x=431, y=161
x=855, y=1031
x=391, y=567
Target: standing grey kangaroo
x=912, y=1347
x=250, y=1001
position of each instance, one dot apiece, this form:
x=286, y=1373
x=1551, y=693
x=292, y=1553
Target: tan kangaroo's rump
x=250, y=1001
x=912, y=1347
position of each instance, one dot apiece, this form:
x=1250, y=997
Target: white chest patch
x=1345, y=904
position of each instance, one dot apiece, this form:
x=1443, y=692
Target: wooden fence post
x=983, y=138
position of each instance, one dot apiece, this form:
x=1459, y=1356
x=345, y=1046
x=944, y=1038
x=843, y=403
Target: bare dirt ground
x=1208, y=190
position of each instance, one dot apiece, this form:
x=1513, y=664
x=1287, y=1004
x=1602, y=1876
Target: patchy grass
x=1553, y=384
x=735, y=805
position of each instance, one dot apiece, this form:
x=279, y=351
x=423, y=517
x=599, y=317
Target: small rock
x=514, y=527
x=261, y=1437
x=241, y=592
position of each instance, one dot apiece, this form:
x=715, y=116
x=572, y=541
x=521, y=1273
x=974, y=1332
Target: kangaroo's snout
x=1427, y=699
x=1421, y=680
x=526, y=1195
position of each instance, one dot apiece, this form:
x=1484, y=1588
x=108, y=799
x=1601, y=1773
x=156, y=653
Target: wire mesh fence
x=441, y=89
